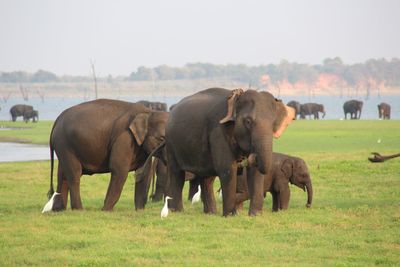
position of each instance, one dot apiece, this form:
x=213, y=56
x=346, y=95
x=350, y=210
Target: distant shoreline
x=172, y=88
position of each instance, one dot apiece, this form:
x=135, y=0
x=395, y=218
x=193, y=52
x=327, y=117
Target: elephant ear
x=287, y=168
x=283, y=117
x=139, y=126
x=230, y=115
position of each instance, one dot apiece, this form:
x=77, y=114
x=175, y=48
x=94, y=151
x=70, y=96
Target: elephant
x=31, y=114
x=209, y=131
x=285, y=169
x=157, y=106
x=19, y=110
x=102, y=136
x=312, y=109
x=354, y=107
x=296, y=105
x=384, y=111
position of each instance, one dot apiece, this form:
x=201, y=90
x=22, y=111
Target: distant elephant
x=102, y=136
x=354, y=107
x=309, y=109
x=296, y=105
x=209, y=131
x=285, y=169
x=156, y=106
x=19, y=110
x=384, y=111
x=31, y=114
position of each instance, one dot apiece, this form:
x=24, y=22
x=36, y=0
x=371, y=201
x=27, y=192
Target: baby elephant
x=285, y=169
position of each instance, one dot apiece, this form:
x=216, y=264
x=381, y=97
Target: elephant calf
x=285, y=169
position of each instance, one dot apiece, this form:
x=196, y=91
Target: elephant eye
x=248, y=123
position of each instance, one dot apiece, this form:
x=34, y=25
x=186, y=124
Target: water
x=53, y=106
x=10, y=152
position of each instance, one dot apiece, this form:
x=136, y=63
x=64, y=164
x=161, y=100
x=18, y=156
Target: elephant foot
x=253, y=212
x=230, y=213
x=58, y=204
x=308, y=205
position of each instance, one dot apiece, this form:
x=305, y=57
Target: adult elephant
x=314, y=109
x=208, y=132
x=296, y=105
x=354, y=107
x=19, y=110
x=157, y=106
x=384, y=111
x=31, y=114
x=285, y=169
x=102, y=136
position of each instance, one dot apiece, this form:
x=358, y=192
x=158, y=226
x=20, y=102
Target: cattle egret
x=164, y=211
x=196, y=197
x=379, y=141
x=49, y=205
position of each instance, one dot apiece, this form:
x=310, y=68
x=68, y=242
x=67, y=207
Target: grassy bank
x=354, y=221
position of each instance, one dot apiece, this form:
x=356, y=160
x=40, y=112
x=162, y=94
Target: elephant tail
x=51, y=191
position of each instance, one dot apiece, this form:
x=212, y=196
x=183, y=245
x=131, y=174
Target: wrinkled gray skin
x=208, y=132
x=314, y=109
x=102, y=136
x=296, y=105
x=354, y=107
x=19, y=110
x=31, y=114
x=285, y=169
x=384, y=111
x=156, y=106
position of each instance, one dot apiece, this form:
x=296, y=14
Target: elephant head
x=149, y=129
x=257, y=117
x=296, y=171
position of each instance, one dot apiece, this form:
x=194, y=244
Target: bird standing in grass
x=164, y=211
x=196, y=197
x=49, y=204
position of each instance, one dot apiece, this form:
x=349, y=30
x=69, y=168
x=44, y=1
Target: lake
x=53, y=106
x=10, y=152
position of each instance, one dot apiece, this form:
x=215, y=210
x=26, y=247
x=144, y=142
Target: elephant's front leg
x=207, y=195
x=176, y=178
x=228, y=185
x=118, y=178
x=284, y=198
x=275, y=201
x=255, y=181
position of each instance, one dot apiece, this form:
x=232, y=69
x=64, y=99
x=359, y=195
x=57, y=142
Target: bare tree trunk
x=6, y=97
x=94, y=78
x=41, y=95
x=24, y=92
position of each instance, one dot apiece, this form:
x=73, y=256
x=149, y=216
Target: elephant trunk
x=309, y=194
x=263, y=150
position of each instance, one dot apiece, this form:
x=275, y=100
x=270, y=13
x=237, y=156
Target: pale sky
x=62, y=36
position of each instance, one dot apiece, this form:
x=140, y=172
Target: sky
x=63, y=36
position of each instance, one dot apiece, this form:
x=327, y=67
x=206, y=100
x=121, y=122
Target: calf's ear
x=139, y=126
x=287, y=168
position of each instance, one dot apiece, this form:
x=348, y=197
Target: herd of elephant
x=26, y=111
x=352, y=107
x=215, y=132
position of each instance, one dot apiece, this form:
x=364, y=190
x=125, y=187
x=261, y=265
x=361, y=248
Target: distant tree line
x=373, y=72
x=378, y=70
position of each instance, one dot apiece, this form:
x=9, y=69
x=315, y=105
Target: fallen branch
x=379, y=158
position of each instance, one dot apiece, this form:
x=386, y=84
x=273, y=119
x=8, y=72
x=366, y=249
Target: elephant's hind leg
x=207, y=194
x=71, y=169
x=60, y=201
x=176, y=178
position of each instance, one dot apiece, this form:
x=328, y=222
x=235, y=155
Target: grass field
x=354, y=220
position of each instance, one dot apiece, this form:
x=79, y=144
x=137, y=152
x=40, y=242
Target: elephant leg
x=120, y=161
x=60, y=201
x=207, y=195
x=72, y=171
x=142, y=190
x=161, y=182
x=193, y=187
x=275, y=201
x=242, y=193
x=284, y=197
x=176, y=178
x=255, y=182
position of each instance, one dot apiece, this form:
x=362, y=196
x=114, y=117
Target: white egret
x=196, y=197
x=164, y=211
x=49, y=205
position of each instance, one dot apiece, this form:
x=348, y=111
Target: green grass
x=354, y=221
x=37, y=133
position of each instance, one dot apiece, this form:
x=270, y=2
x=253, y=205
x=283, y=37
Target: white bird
x=164, y=211
x=379, y=141
x=49, y=205
x=196, y=197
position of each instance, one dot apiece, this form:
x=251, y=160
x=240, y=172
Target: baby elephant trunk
x=309, y=194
